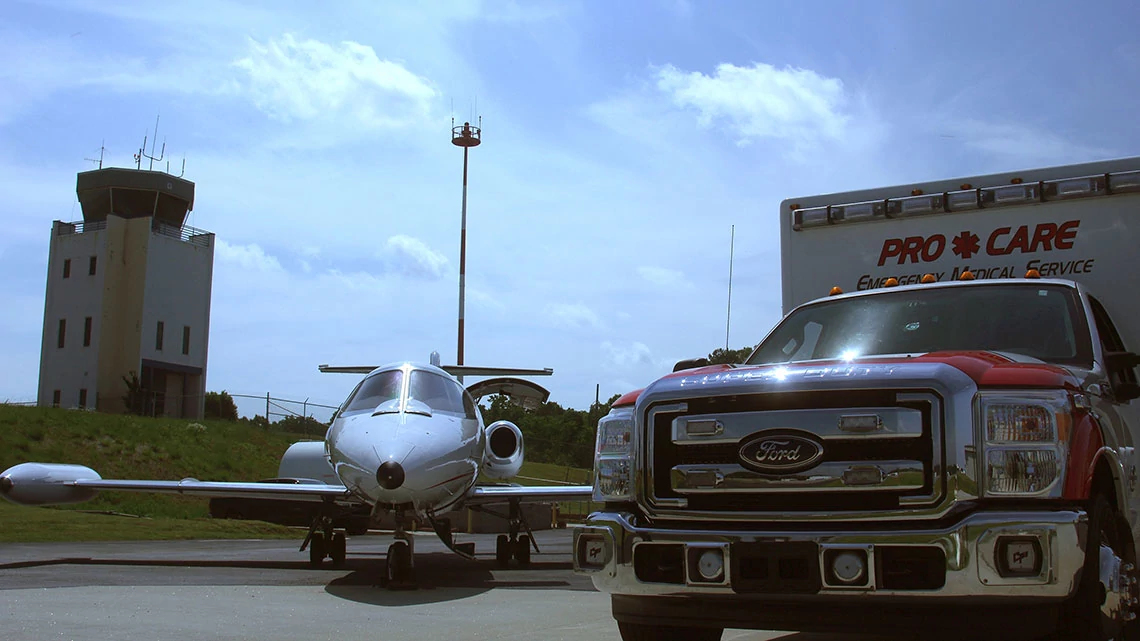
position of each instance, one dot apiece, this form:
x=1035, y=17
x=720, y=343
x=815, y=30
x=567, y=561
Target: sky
x=622, y=144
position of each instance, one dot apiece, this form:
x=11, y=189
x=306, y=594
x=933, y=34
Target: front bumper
x=1009, y=556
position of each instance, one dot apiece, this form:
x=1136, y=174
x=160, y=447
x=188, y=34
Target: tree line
x=551, y=433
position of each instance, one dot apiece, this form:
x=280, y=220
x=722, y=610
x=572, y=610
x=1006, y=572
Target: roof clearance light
x=1123, y=182
x=857, y=211
x=962, y=200
x=1074, y=188
x=814, y=217
x=1008, y=195
x=891, y=282
x=914, y=206
x=835, y=291
x=1033, y=273
x=928, y=278
x=966, y=275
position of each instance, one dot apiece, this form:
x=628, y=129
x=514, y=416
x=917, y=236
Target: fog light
x=591, y=552
x=849, y=567
x=1018, y=556
x=711, y=565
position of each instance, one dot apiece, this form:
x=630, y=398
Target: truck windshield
x=1041, y=321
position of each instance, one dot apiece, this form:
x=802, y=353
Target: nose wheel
x=399, y=565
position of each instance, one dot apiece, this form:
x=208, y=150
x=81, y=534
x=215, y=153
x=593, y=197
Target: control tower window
x=67, y=268
x=91, y=266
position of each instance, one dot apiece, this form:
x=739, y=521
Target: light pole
x=466, y=137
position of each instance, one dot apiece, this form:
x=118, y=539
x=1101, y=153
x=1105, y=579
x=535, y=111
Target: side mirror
x=690, y=363
x=1126, y=392
x=1121, y=360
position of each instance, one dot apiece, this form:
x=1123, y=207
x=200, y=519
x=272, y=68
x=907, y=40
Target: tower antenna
x=102, y=148
x=151, y=155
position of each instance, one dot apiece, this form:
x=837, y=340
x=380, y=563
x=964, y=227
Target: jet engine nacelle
x=307, y=460
x=46, y=483
x=503, y=456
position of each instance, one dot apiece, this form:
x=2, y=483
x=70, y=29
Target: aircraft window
x=439, y=393
x=469, y=405
x=375, y=390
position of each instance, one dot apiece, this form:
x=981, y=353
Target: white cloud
x=1023, y=144
x=635, y=356
x=309, y=80
x=663, y=277
x=573, y=316
x=248, y=257
x=761, y=101
x=411, y=257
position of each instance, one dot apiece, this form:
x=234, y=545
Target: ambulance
x=938, y=439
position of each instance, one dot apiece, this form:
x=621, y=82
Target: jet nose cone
x=390, y=475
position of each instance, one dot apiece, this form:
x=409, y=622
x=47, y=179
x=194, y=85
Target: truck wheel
x=1103, y=605
x=642, y=632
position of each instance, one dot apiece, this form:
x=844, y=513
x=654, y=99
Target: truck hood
x=985, y=369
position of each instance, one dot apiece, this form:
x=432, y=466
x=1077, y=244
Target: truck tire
x=1088, y=616
x=642, y=632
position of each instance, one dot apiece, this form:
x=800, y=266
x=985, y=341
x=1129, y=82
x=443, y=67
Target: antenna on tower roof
x=102, y=148
x=151, y=155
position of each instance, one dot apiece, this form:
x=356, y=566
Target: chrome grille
x=882, y=450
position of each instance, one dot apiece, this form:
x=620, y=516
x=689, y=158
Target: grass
x=134, y=447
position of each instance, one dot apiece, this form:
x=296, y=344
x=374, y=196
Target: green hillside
x=153, y=448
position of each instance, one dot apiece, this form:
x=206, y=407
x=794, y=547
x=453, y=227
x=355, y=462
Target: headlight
x=1025, y=437
x=613, y=475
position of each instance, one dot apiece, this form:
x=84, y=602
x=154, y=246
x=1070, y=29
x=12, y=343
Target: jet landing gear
x=399, y=566
x=324, y=542
x=512, y=544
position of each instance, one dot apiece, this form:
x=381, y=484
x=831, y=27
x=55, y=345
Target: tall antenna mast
x=151, y=156
x=728, y=321
x=467, y=137
x=102, y=148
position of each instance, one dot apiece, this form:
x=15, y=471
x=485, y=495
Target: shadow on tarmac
x=444, y=577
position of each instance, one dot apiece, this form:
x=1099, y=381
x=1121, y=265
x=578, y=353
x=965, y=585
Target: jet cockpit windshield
x=441, y=393
x=375, y=391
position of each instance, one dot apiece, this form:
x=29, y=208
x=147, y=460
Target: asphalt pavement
x=190, y=590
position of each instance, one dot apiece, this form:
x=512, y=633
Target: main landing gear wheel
x=398, y=565
x=502, y=550
x=317, y=549
x=1105, y=606
x=522, y=550
x=641, y=632
x=339, y=549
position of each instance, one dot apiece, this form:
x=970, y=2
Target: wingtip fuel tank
x=47, y=483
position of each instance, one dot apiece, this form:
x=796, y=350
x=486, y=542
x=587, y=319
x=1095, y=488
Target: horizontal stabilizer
x=454, y=370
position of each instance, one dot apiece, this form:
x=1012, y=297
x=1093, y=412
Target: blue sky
x=622, y=140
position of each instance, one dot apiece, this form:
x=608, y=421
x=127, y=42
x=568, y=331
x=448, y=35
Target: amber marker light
x=966, y=275
x=1033, y=273
x=836, y=291
x=891, y=282
x=928, y=278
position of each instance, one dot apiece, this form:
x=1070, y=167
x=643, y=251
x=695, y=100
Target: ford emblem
x=780, y=451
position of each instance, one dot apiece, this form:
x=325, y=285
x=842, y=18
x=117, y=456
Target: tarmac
x=261, y=589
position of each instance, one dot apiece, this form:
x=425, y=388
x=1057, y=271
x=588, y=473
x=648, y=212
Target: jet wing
x=487, y=494
x=55, y=483
x=315, y=492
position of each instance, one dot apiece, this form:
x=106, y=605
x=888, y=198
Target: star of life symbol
x=966, y=244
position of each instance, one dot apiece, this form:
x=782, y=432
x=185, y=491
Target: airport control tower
x=128, y=299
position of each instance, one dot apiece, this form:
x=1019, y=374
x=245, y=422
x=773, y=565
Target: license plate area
x=775, y=568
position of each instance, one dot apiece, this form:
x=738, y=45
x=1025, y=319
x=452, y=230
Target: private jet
x=407, y=446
